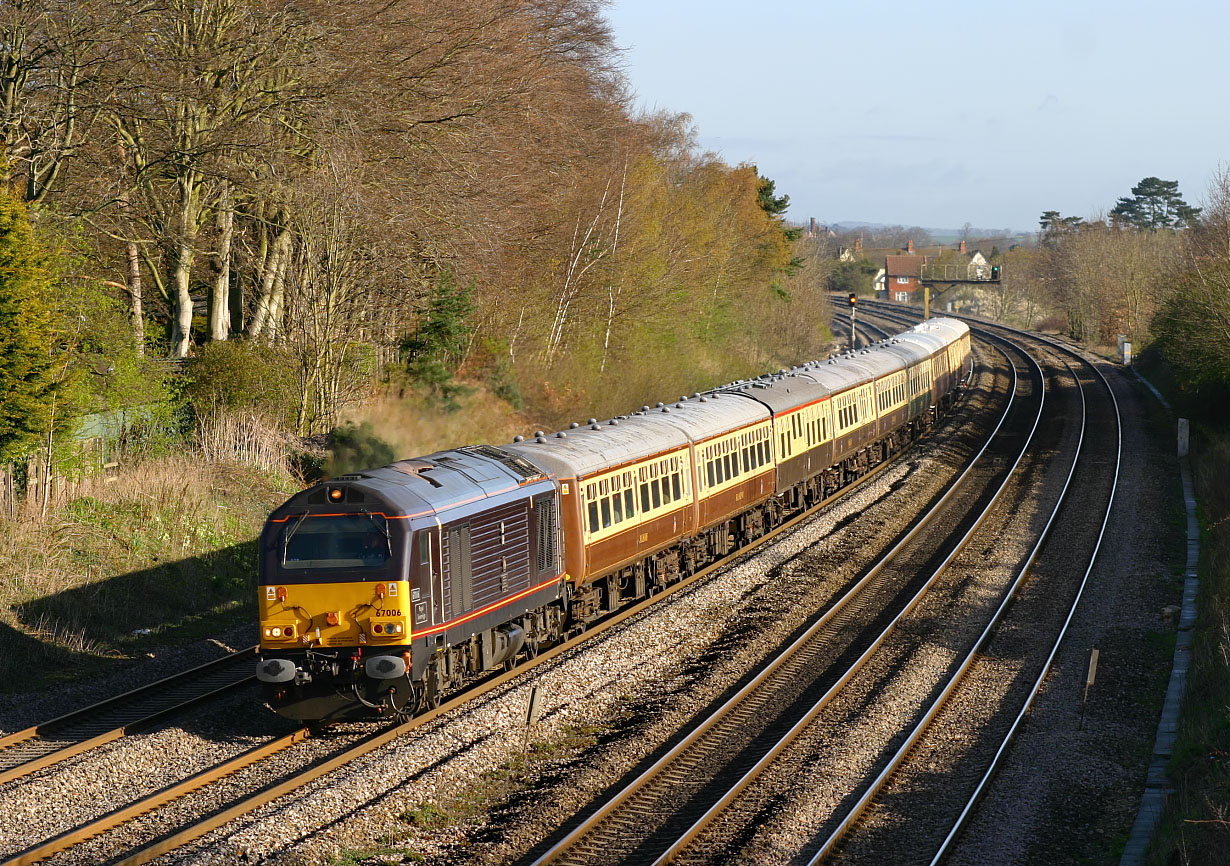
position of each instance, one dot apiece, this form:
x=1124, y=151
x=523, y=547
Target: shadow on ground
x=90, y=627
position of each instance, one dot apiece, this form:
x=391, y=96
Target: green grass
x=1195, y=829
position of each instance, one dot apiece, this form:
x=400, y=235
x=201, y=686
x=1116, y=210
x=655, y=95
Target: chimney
x=962, y=247
x=858, y=244
x=909, y=247
x=811, y=227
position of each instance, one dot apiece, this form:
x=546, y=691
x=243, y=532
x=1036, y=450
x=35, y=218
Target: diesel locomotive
x=382, y=590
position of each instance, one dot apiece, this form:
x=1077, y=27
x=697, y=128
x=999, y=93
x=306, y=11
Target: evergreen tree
x=771, y=204
x=1156, y=204
x=26, y=376
x=435, y=352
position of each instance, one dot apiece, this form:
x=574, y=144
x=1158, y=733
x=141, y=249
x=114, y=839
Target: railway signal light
x=853, y=299
x=995, y=272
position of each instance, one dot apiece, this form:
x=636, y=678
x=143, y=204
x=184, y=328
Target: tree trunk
x=219, y=305
x=134, y=289
x=181, y=264
x=269, y=282
x=181, y=275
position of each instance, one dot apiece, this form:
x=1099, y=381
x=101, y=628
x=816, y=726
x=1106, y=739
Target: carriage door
x=457, y=575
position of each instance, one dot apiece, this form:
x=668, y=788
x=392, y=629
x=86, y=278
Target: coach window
x=617, y=506
x=593, y=517
x=676, y=487
x=656, y=493
x=629, y=504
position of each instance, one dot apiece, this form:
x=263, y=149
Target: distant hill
x=1002, y=237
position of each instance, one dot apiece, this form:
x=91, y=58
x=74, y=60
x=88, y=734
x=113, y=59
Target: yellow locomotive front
x=335, y=607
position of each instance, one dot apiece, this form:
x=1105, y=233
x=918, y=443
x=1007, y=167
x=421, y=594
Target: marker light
x=380, y=590
x=336, y=494
x=377, y=628
x=332, y=618
x=281, y=593
x=289, y=631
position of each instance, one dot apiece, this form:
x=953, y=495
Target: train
x=381, y=591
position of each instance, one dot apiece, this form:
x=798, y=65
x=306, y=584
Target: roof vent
x=644, y=408
x=415, y=468
x=683, y=399
x=574, y=425
x=704, y=399
x=666, y=408
x=695, y=393
x=518, y=438
x=592, y=421
x=541, y=439
x=561, y=435
x=659, y=405
x=593, y=426
x=538, y=434
x=614, y=422
x=515, y=463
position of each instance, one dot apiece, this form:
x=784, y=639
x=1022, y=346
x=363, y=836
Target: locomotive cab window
x=346, y=541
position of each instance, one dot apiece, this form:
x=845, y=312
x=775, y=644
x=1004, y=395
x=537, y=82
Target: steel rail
x=980, y=789
x=24, y=739
x=574, y=837
x=121, y=816
x=249, y=804
x=752, y=774
x=858, y=808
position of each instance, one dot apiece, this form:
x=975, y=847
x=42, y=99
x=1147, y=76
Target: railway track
x=655, y=816
x=163, y=835
x=25, y=752
x=910, y=806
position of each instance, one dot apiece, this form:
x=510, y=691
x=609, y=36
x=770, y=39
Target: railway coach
x=382, y=590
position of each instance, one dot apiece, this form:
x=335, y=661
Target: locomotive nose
x=275, y=671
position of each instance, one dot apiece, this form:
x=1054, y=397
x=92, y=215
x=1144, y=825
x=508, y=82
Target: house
x=848, y=254
x=903, y=276
x=979, y=267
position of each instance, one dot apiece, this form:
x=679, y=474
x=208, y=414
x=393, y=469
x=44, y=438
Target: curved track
x=656, y=815
x=1007, y=664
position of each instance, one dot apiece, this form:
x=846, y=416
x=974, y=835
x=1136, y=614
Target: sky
x=938, y=115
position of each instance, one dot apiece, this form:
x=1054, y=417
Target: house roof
x=904, y=266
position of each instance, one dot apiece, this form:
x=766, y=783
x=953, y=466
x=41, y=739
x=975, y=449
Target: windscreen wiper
x=294, y=527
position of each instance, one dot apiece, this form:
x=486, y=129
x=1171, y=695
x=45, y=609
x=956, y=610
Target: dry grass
x=414, y=426
x=166, y=546
x=1196, y=827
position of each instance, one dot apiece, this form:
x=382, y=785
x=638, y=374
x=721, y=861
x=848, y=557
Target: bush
x=236, y=375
